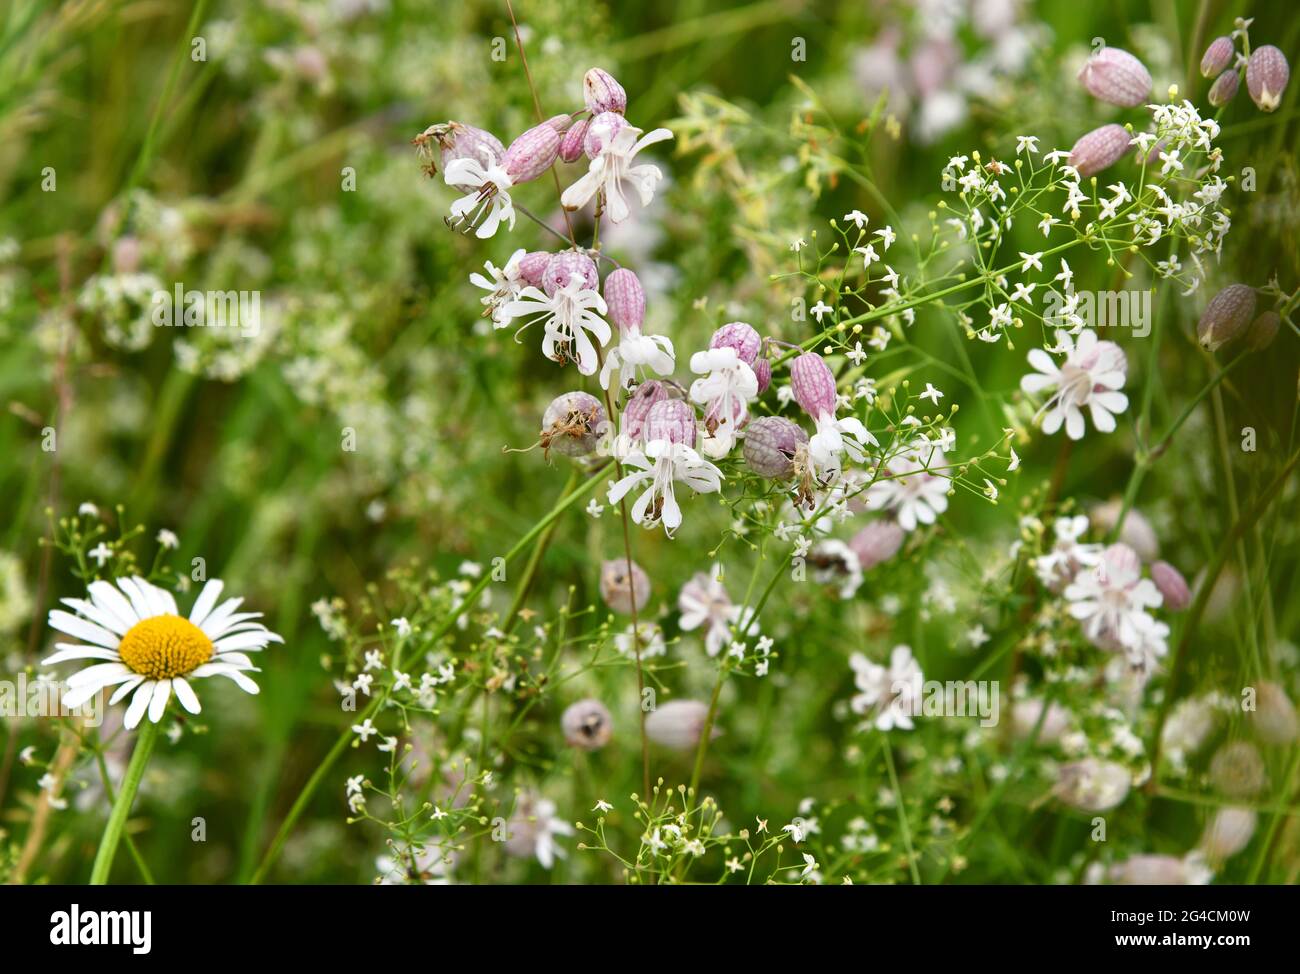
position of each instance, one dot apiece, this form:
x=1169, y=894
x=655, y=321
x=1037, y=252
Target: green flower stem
x=143, y=866
x=144, y=742
x=345, y=738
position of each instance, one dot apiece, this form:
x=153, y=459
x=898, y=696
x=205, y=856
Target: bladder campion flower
x=1091, y=375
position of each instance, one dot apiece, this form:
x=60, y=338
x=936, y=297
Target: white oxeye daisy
x=149, y=649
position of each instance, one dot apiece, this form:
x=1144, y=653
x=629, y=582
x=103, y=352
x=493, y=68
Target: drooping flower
x=1092, y=784
x=587, y=725
x=612, y=168
x=1117, y=77
x=1267, y=73
x=503, y=285
x=455, y=140
x=704, y=601
x=533, y=828
x=1057, y=567
x=638, y=407
x=1112, y=600
x=572, y=424
x=814, y=390
x=1091, y=375
x=624, y=585
x=725, y=392
x=908, y=488
x=569, y=307
x=877, y=543
x=678, y=724
x=771, y=446
x=602, y=93
x=662, y=463
x=487, y=193
x=889, y=695
x=625, y=300
x=149, y=650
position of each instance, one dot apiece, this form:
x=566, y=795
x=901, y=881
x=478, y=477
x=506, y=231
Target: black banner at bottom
x=341, y=924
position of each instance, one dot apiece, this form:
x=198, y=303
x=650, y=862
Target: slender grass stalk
x=145, y=739
x=345, y=738
x=903, y=825
x=1193, y=618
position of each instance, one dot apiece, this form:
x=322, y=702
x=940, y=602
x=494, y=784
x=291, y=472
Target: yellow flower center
x=162, y=647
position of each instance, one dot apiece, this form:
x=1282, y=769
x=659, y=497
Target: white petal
x=82, y=628
x=68, y=651
x=121, y=692
x=97, y=614
x=107, y=597
x=138, y=704
x=94, y=674
x=206, y=600
x=140, y=601
x=218, y=669
x=162, y=692
x=76, y=696
x=186, y=695
x=1074, y=423
x=220, y=617
x=246, y=640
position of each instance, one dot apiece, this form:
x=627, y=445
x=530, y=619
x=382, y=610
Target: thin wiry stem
x=537, y=106
x=610, y=405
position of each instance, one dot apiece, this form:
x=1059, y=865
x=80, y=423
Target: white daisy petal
x=121, y=692
x=140, y=601
x=220, y=617
x=139, y=703
x=162, y=692
x=246, y=640
x=108, y=598
x=98, y=615
x=69, y=651
x=218, y=669
x=186, y=695
x=94, y=674
x=82, y=628
x=206, y=600
x=76, y=696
